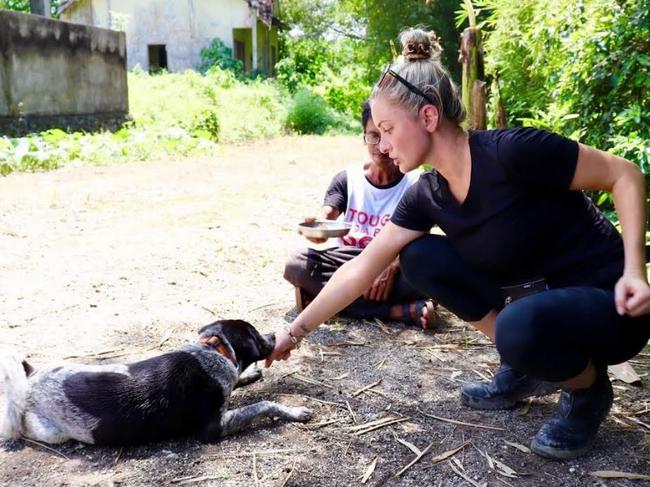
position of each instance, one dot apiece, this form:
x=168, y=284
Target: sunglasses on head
x=410, y=86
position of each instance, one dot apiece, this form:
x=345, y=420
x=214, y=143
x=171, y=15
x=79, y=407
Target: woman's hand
x=282, y=349
x=632, y=295
x=383, y=284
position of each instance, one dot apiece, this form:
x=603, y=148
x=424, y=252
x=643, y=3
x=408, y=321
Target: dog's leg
x=241, y=418
x=248, y=376
x=41, y=429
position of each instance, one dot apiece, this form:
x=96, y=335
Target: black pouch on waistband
x=518, y=291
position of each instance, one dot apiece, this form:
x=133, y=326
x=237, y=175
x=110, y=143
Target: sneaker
x=505, y=390
x=573, y=429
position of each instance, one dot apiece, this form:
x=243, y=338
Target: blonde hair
x=420, y=65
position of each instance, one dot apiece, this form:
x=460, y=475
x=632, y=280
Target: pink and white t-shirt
x=368, y=207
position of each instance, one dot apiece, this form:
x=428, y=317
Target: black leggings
x=551, y=335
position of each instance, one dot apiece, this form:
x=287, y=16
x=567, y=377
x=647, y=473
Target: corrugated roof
x=264, y=10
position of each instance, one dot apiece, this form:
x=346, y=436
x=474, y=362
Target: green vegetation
x=218, y=54
x=309, y=113
x=23, y=5
x=174, y=115
x=578, y=69
x=336, y=49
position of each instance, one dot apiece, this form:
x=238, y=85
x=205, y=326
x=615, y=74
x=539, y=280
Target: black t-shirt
x=520, y=220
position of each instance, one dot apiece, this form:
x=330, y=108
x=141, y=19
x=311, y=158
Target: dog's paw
x=8, y=445
x=254, y=375
x=250, y=375
x=301, y=414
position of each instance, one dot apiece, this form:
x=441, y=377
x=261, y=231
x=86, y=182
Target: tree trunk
x=501, y=111
x=471, y=57
x=478, y=120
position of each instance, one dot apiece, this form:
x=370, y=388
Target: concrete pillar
x=40, y=7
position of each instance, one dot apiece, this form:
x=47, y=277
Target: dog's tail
x=14, y=389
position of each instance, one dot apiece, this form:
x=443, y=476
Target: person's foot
x=420, y=313
x=573, y=429
x=505, y=390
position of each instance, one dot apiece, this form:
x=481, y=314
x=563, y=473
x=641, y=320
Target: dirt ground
x=116, y=263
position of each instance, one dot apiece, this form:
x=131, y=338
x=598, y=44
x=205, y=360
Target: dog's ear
x=249, y=345
x=205, y=330
x=29, y=370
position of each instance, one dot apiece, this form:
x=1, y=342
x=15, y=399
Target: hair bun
x=419, y=44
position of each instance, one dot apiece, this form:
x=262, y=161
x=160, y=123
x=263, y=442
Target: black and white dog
x=180, y=393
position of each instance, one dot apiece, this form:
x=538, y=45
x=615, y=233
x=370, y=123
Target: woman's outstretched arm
x=348, y=283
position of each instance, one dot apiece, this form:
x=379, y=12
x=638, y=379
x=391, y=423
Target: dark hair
x=365, y=114
x=420, y=66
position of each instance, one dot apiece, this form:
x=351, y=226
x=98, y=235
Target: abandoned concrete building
x=170, y=35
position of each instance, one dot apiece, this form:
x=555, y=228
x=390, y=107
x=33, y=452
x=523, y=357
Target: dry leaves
x=369, y=471
x=613, y=474
x=449, y=453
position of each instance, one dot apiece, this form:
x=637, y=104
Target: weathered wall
x=183, y=26
x=51, y=69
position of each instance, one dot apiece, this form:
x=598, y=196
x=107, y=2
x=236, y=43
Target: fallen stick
x=94, y=354
x=366, y=388
x=257, y=480
x=290, y=373
x=369, y=471
x=38, y=443
x=309, y=380
x=257, y=453
x=449, y=453
x=379, y=393
x=362, y=429
x=119, y=455
x=415, y=460
x=286, y=479
x=264, y=306
x=319, y=425
x=473, y=425
x=194, y=480
x=354, y=419
x=463, y=476
x=337, y=404
x=634, y=420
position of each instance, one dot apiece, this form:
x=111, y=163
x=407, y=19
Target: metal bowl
x=324, y=229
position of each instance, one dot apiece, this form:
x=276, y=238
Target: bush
x=580, y=69
x=218, y=54
x=325, y=68
x=309, y=113
x=197, y=112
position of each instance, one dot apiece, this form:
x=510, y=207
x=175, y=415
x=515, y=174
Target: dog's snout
x=270, y=342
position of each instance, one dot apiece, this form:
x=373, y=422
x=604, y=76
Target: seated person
x=366, y=194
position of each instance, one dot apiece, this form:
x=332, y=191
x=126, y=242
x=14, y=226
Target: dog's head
x=247, y=343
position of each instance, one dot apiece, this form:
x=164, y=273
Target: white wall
x=183, y=26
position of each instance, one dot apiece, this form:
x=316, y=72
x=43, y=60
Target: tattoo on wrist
x=304, y=329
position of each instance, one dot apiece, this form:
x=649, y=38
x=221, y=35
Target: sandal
x=420, y=304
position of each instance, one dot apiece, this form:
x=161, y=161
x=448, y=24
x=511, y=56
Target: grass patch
x=174, y=115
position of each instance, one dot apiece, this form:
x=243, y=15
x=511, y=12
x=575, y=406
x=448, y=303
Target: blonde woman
x=527, y=257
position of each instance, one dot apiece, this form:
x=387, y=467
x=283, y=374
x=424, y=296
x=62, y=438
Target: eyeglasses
x=371, y=138
x=411, y=87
